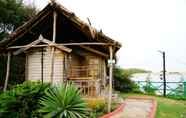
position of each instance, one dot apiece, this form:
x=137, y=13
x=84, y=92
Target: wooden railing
x=88, y=87
x=84, y=72
x=86, y=78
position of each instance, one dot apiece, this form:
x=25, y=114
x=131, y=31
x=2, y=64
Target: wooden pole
x=26, y=68
x=42, y=57
x=52, y=49
x=54, y=27
x=104, y=73
x=52, y=64
x=110, y=77
x=7, y=72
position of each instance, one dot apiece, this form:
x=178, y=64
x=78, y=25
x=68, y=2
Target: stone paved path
x=135, y=108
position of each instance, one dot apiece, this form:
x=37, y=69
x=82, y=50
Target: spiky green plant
x=63, y=101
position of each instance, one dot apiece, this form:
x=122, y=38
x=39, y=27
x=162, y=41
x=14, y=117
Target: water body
x=174, y=81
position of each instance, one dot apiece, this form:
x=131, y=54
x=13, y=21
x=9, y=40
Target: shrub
x=149, y=89
x=63, y=101
x=99, y=106
x=122, y=81
x=22, y=100
x=136, y=88
x=96, y=104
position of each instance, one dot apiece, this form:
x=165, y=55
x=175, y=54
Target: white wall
x=34, y=65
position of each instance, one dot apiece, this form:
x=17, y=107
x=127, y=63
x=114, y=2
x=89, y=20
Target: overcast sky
x=142, y=26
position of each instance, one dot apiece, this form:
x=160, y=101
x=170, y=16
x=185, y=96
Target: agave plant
x=63, y=101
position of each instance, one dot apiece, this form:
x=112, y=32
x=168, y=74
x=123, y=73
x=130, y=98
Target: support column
x=7, y=72
x=53, y=48
x=42, y=57
x=104, y=74
x=110, y=77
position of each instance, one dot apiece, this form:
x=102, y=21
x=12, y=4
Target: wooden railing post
x=7, y=71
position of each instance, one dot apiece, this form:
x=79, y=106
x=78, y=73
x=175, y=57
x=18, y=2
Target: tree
x=135, y=70
x=122, y=81
x=13, y=13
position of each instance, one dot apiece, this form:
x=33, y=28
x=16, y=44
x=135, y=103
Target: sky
x=142, y=27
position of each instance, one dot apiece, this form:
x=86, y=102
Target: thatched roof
x=44, y=19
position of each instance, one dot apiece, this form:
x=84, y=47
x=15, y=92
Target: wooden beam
x=95, y=51
x=27, y=47
x=61, y=47
x=7, y=72
x=85, y=43
x=41, y=39
x=110, y=78
x=65, y=44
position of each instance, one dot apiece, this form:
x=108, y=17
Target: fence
x=172, y=88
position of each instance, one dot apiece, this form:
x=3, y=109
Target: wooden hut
x=56, y=46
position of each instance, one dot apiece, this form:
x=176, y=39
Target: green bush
x=136, y=88
x=99, y=108
x=122, y=81
x=63, y=101
x=22, y=100
x=149, y=89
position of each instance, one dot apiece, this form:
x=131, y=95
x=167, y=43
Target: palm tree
x=63, y=101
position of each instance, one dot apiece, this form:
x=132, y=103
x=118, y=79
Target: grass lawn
x=167, y=108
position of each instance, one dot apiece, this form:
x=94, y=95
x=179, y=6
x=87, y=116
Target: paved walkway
x=135, y=108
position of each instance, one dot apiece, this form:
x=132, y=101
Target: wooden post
x=104, y=73
x=54, y=27
x=52, y=49
x=110, y=77
x=7, y=72
x=26, y=67
x=42, y=57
